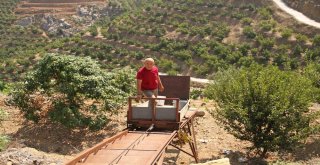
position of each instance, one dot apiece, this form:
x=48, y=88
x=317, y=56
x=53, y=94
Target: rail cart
x=152, y=125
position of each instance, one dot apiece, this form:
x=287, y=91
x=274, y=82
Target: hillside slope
x=191, y=38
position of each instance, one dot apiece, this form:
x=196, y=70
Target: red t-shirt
x=149, y=78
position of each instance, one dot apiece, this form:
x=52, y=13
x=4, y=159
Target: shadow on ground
x=55, y=138
x=308, y=151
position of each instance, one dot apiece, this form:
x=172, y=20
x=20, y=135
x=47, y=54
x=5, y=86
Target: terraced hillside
x=199, y=38
x=57, y=7
x=195, y=38
x=19, y=47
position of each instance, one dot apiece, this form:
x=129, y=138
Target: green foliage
x=265, y=43
x=2, y=85
x=286, y=33
x=267, y=25
x=264, y=105
x=168, y=65
x=249, y=32
x=316, y=40
x=3, y=139
x=195, y=93
x=312, y=72
x=265, y=13
x=301, y=38
x=78, y=91
x=246, y=21
x=3, y=115
x=93, y=30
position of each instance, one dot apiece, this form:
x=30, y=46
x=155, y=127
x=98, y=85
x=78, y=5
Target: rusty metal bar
x=194, y=141
x=137, y=141
x=177, y=112
x=129, y=113
x=83, y=155
x=181, y=149
x=161, y=150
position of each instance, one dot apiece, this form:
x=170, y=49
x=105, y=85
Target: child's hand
x=161, y=88
x=139, y=96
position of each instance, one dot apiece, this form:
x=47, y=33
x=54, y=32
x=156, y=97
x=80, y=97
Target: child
x=148, y=80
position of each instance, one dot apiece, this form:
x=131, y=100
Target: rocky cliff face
x=310, y=8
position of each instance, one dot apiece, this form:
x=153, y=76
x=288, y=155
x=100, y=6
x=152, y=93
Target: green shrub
x=316, y=40
x=301, y=38
x=267, y=25
x=249, y=32
x=3, y=139
x=312, y=72
x=265, y=43
x=263, y=105
x=265, y=13
x=195, y=93
x=286, y=33
x=2, y=85
x=78, y=91
x=246, y=21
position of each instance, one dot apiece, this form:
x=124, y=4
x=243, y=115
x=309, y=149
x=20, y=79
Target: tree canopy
x=72, y=90
x=264, y=105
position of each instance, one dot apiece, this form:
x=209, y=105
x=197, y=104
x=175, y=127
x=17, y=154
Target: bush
x=3, y=139
x=267, y=25
x=249, y=32
x=265, y=13
x=2, y=86
x=312, y=72
x=301, y=38
x=265, y=43
x=71, y=90
x=286, y=33
x=263, y=105
x=316, y=40
x=195, y=93
x=246, y=21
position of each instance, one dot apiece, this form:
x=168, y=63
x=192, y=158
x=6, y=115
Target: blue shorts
x=149, y=93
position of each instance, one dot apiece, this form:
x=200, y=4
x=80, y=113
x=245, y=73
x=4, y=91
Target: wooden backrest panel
x=175, y=87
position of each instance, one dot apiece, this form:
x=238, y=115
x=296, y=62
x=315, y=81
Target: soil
x=48, y=143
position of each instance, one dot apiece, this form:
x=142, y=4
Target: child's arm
x=161, y=87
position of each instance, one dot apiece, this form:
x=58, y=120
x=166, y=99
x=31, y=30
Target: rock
x=226, y=152
x=203, y=140
x=200, y=113
x=223, y=161
x=83, y=11
x=25, y=21
x=242, y=160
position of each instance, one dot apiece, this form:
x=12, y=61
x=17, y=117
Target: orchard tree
x=264, y=105
x=71, y=90
x=312, y=72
